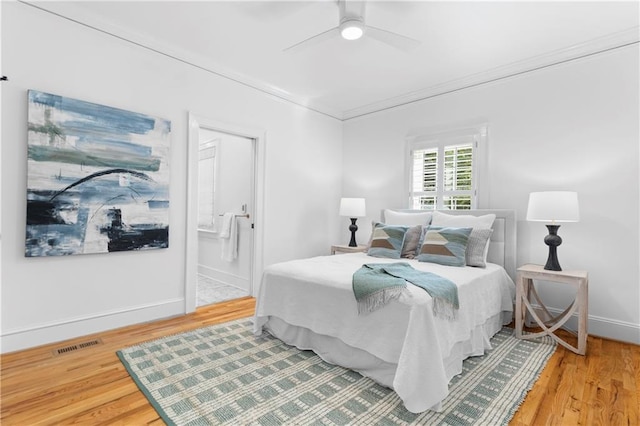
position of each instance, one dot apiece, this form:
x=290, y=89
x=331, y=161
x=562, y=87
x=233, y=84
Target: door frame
x=191, y=237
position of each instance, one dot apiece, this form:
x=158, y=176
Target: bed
x=310, y=304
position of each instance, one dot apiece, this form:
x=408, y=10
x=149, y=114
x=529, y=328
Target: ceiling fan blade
x=333, y=32
x=392, y=39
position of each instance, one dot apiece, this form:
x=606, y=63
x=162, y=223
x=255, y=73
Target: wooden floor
x=90, y=386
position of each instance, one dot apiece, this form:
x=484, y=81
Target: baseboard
x=56, y=331
x=223, y=277
x=602, y=327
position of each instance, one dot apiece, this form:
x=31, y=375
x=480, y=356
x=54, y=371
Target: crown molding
x=68, y=10
x=599, y=45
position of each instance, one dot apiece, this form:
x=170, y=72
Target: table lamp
x=352, y=208
x=553, y=207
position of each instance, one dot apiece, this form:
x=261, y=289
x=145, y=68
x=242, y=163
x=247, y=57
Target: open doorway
x=223, y=256
x=225, y=214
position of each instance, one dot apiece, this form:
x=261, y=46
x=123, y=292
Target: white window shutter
x=443, y=173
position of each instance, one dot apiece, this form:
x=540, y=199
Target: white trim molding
x=224, y=278
x=582, y=50
x=191, y=252
x=433, y=136
x=70, y=328
x=73, y=13
x=601, y=327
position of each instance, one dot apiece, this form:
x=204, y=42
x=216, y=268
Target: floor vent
x=77, y=347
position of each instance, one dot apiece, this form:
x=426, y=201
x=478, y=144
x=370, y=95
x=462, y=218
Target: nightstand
x=526, y=293
x=339, y=248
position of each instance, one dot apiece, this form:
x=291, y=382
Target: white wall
x=573, y=126
x=50, y=299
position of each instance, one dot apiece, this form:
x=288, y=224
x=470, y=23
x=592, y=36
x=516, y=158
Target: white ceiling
x=462, y=43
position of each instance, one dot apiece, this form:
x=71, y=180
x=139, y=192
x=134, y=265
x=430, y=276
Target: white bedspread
x=317, y=294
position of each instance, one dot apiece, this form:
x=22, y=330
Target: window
x=206, y=185
x=443, y=170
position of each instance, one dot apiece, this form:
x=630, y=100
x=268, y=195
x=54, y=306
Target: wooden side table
x=526, y=292
x=340, y=248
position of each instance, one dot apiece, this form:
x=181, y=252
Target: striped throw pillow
x=445, y=246
x=387, y=241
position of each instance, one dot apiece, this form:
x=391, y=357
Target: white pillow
x=463, y=221
x=478, y=247
x=406, y=218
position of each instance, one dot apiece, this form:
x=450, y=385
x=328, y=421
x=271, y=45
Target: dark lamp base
x=353, y=228
x=553, y=240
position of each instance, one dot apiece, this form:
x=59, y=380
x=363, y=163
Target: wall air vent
x=77, y=347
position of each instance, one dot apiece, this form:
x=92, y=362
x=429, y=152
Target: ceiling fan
x=352, y=26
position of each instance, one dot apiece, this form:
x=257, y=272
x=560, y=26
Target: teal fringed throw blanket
x=376, y=284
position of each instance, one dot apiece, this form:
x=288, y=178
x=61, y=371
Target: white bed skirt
x=335, y=351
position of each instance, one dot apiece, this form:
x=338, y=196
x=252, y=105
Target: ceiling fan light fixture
x=352, y=29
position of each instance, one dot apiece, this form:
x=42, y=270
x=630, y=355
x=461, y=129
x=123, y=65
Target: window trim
x=441, y=137
x=204, y=146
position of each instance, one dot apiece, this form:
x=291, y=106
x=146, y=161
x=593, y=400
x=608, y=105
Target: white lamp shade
x=352, y=207
x=553, y=206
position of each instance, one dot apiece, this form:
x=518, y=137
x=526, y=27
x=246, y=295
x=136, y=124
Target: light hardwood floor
x=90, y=386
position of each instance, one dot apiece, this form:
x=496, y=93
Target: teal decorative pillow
x=387, y=241
x=446, y=246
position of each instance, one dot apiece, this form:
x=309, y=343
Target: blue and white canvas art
x=97, y=178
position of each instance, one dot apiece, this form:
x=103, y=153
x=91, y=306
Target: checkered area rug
x=223, y=375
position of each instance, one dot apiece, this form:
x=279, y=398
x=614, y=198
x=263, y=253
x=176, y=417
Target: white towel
x=229, y=236
x=224, y=226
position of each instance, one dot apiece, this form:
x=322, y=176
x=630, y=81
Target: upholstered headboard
x=502, y=248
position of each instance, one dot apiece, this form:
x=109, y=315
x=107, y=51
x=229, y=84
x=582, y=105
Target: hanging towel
x=229, y=236
x=224, y=228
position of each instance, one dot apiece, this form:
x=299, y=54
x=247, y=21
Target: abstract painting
x=97, y=178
